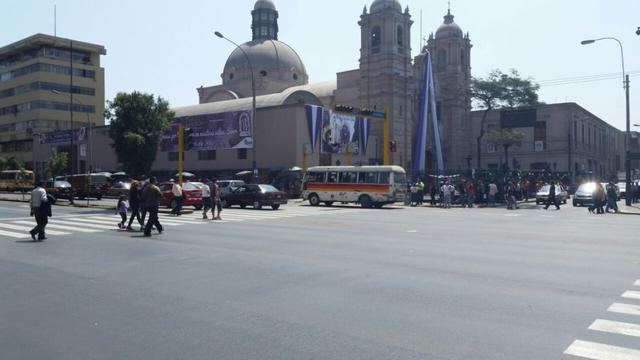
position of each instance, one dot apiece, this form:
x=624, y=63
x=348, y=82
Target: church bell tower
x=386, y=74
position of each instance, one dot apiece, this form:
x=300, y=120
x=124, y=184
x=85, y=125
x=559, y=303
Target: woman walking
x=134, y=202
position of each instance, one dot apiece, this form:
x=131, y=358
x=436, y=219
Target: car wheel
x=575, y=203
x=275, y=206
x=378, y=205
x=257, y=205
x=328, y=203
x=242, y=206
x=365, y=201
x=314, y=200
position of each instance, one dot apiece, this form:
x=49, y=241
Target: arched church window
x=376, y=36
x=399, y=36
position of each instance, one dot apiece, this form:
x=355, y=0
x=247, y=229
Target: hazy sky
x=168, y=48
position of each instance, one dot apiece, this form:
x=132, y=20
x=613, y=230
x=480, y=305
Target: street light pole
x=253, y=107
x=625, y=83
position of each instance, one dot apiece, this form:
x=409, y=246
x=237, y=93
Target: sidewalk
x=634, y=209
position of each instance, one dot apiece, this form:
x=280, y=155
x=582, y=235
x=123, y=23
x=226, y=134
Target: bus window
x=370, y=177
x=348, y=177
x=332, y=177
x=384, y=177
x=399, y=178
x=315, y=177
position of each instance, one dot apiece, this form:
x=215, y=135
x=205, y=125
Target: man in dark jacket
x=41, y=209
x=151, y=199
x=552, y=197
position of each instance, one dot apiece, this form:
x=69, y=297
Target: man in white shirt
x=493, y=190
x=176, y=190
x=39, y=209
x=206, y=199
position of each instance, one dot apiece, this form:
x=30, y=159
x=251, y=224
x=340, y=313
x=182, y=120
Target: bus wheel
x=365, y=201
x=314, y=200
x=328, y=203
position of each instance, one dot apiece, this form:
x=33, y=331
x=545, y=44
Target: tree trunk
x=479, y=140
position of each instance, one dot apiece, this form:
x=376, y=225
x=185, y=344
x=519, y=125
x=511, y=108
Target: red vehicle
x=191, y=195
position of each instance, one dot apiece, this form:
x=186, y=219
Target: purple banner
x=229, y=130
x=61, y=137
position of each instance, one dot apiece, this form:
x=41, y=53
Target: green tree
x=501, y=91
x=9, y=163
x=505, y=138
x=56, y=164
x=137, y=124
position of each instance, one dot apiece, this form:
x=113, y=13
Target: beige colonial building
x=557, y=137
x=388, y=78
x=48, y=83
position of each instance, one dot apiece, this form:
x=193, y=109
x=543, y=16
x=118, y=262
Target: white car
x=543, y=194
x=227, y=186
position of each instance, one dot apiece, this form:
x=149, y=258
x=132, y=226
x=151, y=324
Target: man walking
x=552, y=197
x=151, y=198
x=176, y=189
x=206, y=199
x=217, y=201
x=420, y=186
x=41, y=210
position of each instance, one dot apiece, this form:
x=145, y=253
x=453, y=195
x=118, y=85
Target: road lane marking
x=28, y=228
x=596, y=351
x=631, y=295
x=95, y=226
x=624, y=309
x=108, y=221
x=13, y=234
x=616, y=327
x=60, y=227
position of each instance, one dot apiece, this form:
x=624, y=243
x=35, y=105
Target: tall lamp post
x=625, y=82
x=253, y=107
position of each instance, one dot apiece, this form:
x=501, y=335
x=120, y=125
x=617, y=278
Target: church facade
x=388, y=78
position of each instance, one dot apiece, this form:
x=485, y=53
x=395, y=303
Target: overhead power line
x=585, y=79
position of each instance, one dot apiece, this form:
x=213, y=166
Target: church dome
x=276, y=66
x=379, y=5
x=449, y=29
x=264, y=4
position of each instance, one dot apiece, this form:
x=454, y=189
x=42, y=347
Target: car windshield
x=61, y=184
x=545, y=189
x=268, y=188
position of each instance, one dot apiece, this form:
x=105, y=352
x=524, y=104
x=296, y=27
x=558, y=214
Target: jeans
x=135, y=214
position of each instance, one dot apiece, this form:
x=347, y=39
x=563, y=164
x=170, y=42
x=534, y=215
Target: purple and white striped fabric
x=364, y=129
x=314, y=123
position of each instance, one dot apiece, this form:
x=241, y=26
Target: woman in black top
x=134, y=203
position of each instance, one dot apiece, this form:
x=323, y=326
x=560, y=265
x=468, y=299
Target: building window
x=264, y=31
x=207, y=155
x=40, y=67
x=173, y=156
x=442, y=59
x=375, y=36
x=540, y=135
x=242, y=154
x=399, y=36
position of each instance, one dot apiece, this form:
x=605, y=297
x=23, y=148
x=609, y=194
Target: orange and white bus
x=14, y=180
x=370, y=186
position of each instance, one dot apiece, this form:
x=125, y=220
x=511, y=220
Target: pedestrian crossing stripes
x=94, y=223
x=600, y=351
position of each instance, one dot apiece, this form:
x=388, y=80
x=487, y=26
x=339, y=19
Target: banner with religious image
x=340, y=134
x=228, y=130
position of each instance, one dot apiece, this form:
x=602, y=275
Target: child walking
x=122, y=207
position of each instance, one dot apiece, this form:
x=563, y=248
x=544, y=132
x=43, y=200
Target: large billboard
x=340, y=134
x=229, y=130
x=64, y=136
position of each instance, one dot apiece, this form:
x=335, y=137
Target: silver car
x=227, y=186
x=561, y=194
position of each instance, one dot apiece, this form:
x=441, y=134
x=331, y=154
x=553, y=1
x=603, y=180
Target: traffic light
x=393, y=146
x=188, y=139
x=343, y=108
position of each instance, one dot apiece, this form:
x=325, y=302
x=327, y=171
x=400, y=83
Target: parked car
x=584, y=194
x=98, y=185
x=191, y=195
x=543, y=194
x=622, y=190
x=59, y=189
x=256, y=196
x=118, y=188
x=227, y=186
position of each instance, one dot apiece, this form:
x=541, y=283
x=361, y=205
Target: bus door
x=348, y=189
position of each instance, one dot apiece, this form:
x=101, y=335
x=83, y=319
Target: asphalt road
x=323, y=283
